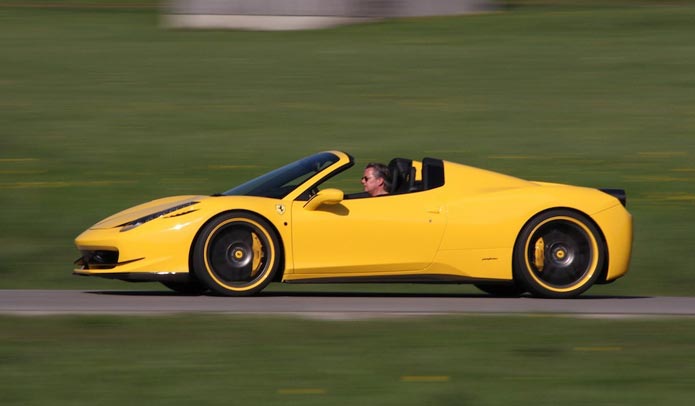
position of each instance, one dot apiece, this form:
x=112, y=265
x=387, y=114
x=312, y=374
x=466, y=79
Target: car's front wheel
x=236, y=254
x=558, y=254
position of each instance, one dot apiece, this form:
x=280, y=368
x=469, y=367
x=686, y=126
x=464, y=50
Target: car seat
x=402, y=175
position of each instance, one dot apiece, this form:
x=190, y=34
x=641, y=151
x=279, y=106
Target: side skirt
x=429, y=278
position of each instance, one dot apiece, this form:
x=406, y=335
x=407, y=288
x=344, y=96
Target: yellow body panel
x=163, y=246
x=371, y=236
x=465, y=229
x=616, y=225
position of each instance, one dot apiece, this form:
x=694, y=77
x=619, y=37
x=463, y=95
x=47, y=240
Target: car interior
x=404, y=175
x=405, y=179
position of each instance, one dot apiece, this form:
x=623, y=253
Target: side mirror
x=326, y=196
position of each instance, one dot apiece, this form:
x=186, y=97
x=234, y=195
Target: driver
x=376, y=179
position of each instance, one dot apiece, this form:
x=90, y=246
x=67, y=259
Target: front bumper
x=153, y=250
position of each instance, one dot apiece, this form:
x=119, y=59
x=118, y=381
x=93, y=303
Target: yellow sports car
x=441, y=222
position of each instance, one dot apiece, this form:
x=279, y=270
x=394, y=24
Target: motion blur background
x=102, y=107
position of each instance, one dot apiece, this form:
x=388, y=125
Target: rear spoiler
x=618, y=194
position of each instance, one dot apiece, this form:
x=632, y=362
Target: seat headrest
x=400, y=175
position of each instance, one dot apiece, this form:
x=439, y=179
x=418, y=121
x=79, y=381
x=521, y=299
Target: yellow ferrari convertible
x=442, y=222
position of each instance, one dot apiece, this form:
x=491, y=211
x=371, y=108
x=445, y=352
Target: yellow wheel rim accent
x=258, y=254
x=591, y=269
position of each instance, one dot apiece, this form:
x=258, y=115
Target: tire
x=192, y=287
x=236, y=254
x=500, y=289
x=558, y=254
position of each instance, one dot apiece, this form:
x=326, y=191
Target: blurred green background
x=101, y=108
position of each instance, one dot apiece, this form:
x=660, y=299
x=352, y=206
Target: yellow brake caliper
x=257, y=254
x=539, y=254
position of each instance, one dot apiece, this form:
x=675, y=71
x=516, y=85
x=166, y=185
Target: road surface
x=331, y=305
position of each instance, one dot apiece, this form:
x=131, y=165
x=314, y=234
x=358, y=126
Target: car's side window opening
x=404, y=177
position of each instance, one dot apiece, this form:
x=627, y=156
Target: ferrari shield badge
x=280, y=208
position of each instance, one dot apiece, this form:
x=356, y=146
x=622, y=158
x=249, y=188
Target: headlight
x=142, y=220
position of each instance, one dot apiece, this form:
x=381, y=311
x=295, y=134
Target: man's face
x=371, y=183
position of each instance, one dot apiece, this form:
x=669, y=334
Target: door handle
x=436, y=210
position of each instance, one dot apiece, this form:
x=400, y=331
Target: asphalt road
x=331, y=305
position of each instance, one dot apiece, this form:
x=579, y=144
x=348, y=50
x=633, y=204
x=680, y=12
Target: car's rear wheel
x=558, y=254
x=236, y=254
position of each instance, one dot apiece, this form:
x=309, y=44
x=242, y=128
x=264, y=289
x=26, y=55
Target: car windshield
x=280, y=182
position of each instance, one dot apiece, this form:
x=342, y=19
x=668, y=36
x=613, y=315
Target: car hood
x=145, y=209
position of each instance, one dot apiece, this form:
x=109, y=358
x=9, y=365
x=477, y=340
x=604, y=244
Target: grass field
x=434, y=361
x=101, y=108
x=97, y=104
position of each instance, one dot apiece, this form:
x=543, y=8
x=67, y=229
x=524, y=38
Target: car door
x=375, y=235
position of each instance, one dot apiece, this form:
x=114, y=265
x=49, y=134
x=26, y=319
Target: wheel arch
x=603, y=267
x=273, y=229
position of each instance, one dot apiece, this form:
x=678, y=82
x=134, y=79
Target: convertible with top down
x=442, y=222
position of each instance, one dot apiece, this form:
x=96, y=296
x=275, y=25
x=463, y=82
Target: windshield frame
x=280, y=182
